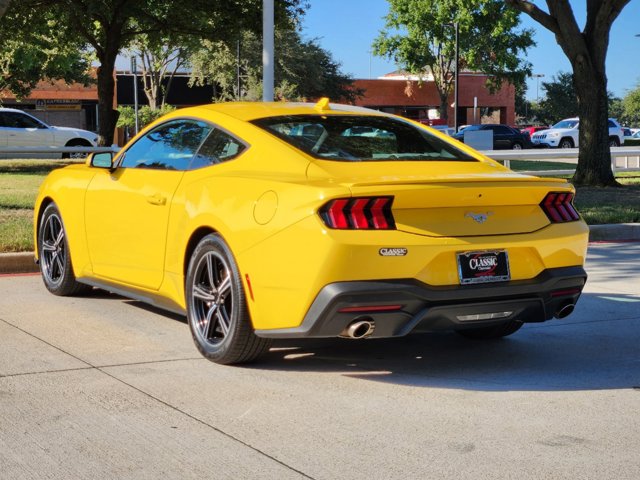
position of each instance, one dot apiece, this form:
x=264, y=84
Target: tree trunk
x=4, y=4
x=594, y=161
x=107, y=115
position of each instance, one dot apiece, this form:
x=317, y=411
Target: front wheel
x=55, y=260
x=516, y=146
x=216, y=306
x=495, y=331
x=566, y=143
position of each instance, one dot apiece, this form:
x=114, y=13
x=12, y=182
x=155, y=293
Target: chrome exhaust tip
x=359, y=329
x=565, y=311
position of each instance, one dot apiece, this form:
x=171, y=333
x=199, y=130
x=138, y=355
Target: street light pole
x=267, y=51
x=456, y=75
x=134, y=70
x=538, y=76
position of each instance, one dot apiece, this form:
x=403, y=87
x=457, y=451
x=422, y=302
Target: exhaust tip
x=359, y=329
x=565, y=311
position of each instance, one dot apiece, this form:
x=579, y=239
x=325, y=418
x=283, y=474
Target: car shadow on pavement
x=587, y=351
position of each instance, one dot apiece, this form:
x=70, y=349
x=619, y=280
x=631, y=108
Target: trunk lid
x=453, y=199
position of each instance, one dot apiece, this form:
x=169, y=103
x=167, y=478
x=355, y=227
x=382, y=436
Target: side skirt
x=135, y=294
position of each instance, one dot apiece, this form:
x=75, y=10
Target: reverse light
x=359, y=213
x=558, y=206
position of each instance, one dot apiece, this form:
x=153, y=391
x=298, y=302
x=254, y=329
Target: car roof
x=4, y=109
x=253, y=110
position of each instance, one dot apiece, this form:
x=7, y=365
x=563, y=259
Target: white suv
x=564, y=134
x=19, y=129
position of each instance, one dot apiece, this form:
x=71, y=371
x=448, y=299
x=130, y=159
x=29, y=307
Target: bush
x=146, y=115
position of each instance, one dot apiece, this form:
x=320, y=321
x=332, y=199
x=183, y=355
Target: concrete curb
x=22, y=262
x=620, y=232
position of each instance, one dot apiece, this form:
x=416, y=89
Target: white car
x=564, y=134
x=19, y=129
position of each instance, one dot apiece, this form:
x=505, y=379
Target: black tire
x=216, y=306
x=516, y=146
x=76, y=143
x=492, y=332
x=566, y=143
x=614, y=142
x=54, y=255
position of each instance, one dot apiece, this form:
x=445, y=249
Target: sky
x=347, y=28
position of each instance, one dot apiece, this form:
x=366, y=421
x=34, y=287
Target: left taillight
x=359, y=213
x=558, y=206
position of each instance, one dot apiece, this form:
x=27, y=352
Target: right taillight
x=558, y=206
x=359, y=213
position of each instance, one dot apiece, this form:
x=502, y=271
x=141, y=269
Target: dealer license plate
x=483, y=267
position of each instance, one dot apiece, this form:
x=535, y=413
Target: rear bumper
x=398, y=307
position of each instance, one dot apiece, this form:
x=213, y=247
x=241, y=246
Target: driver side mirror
x=101, y=160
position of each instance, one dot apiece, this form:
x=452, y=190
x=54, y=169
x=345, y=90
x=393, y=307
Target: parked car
x=504, y=136
x=19, y=129
x=564, y=134
x=257, y=226
x=533, y=129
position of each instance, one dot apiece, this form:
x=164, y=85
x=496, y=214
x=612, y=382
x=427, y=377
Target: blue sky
x=347, y=28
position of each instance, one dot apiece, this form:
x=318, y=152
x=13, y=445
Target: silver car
x=19, y=129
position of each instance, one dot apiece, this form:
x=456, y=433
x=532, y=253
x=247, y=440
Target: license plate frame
x=483, y=266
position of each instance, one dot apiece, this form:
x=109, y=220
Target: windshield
x=355, y=138
x=566, y=124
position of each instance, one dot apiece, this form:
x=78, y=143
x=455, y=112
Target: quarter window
x=217, y=148
x=170, y=146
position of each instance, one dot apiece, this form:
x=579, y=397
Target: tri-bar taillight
x=559, y=207
x=359, y=213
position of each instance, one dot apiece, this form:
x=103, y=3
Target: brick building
x=398, y=94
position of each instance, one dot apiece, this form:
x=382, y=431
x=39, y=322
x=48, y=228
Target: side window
x=500, y=130
x=18, y=120
x=217, y=148
x=170, y=146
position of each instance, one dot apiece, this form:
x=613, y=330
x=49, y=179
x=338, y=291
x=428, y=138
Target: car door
x=501, y=137
x=127, y=209
x=26, y=131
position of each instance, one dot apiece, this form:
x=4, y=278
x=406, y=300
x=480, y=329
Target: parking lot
x=101, y=387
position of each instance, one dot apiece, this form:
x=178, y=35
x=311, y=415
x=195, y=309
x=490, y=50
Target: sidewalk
x=623, y=232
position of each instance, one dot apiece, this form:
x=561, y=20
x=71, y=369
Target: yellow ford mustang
x=282, y=220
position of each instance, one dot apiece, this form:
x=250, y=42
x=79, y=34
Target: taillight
x=559, y=208
x=359, y=213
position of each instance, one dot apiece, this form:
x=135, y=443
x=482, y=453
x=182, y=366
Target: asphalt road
x=106, y=388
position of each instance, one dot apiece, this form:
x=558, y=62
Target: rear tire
x=216, y=306
x=76, y=155
x=495, y=331
x=54, y=255
x=614, y=142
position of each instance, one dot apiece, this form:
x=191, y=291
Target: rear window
x=356, y=138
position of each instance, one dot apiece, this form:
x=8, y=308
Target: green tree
x=109, y=26
x=631, y=107
x=559, y=100
x=159, y=57
x=586, y=49
x=33, y=48
x=303, y=69
x=419, y=37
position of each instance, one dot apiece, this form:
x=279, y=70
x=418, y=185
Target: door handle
x=157, y=199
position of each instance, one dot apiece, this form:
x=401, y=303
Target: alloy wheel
x=54, y=250
x=212, y=299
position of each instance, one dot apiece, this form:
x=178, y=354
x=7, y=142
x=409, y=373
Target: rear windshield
x=355, y=138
